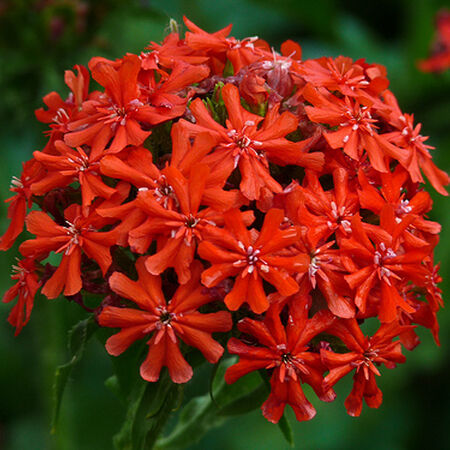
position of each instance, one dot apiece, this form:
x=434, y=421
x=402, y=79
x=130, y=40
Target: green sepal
x=286, y=430
x=228, y=70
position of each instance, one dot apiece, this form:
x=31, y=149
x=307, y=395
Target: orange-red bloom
x=79, y=234
x=25, y=290
x=285, y=349
x=366, y=353
x=356, y=133
x=163, y=322
x=439, y=60
x=32, y=173
x=250, y=143
x=252, y=257
x=226, y=173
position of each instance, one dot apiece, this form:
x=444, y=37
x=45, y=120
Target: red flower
x=365, y=353
x=439, y=59
x=252, y=257
x=408, y=137
x=340, y=74
x=25, y=289
x=32, y=173
x=164, y=322
x=111, y=115
x=356, y=132
x=68, y=166
x=61, y=112
x=78, y=234
x=165, y=96
x=180, y=229
x=220, y=48
x=327, y=212
x=408, y=208
x=247, y=144
x=325, y=275
x=285, y=350
x=377, y=260
x=291, y=186
x=167, y=54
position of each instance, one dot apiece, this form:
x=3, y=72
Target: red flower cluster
x=239, y=183
x=439, y=59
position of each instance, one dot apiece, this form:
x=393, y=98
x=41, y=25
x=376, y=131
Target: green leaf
x=197, y=417
x=202, y=413
x=77, y=339
x=149, y=407
x=227, y=394
x=123, y=439
x=246, y=403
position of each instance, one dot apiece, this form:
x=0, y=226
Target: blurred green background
x=39, y=40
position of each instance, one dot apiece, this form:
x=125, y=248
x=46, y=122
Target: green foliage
x=208, y=411
x=149, y=406
x=77, y=339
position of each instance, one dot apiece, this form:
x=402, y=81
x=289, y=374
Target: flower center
x=165, y=317
x=191, y=221
x=286, y=358
x=381, y=256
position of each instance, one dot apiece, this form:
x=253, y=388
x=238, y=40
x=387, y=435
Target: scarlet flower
x=79, y=234
x=112, y=115
x=164, y=187
x=339, y=74
x=68, y=166
x=408, y=137
x=61, y=112
x=356, y=132
x=325, y=275
x=167, y=54
x=439, y=60
x=327, y=212
x=252, y=257
x=365, y=354
x=408, y=208
x=163, y=322
x=32, y=173
x=220, y=48
x=166, y=98
x=285, y=349
x=352, y=79
x=292, y=186
x=178, y=230
x=25, y=289
x=424, y=315
x=246, y=144
x=377, y=260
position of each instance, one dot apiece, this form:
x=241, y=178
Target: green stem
x=169, y=405
x=52, y=341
